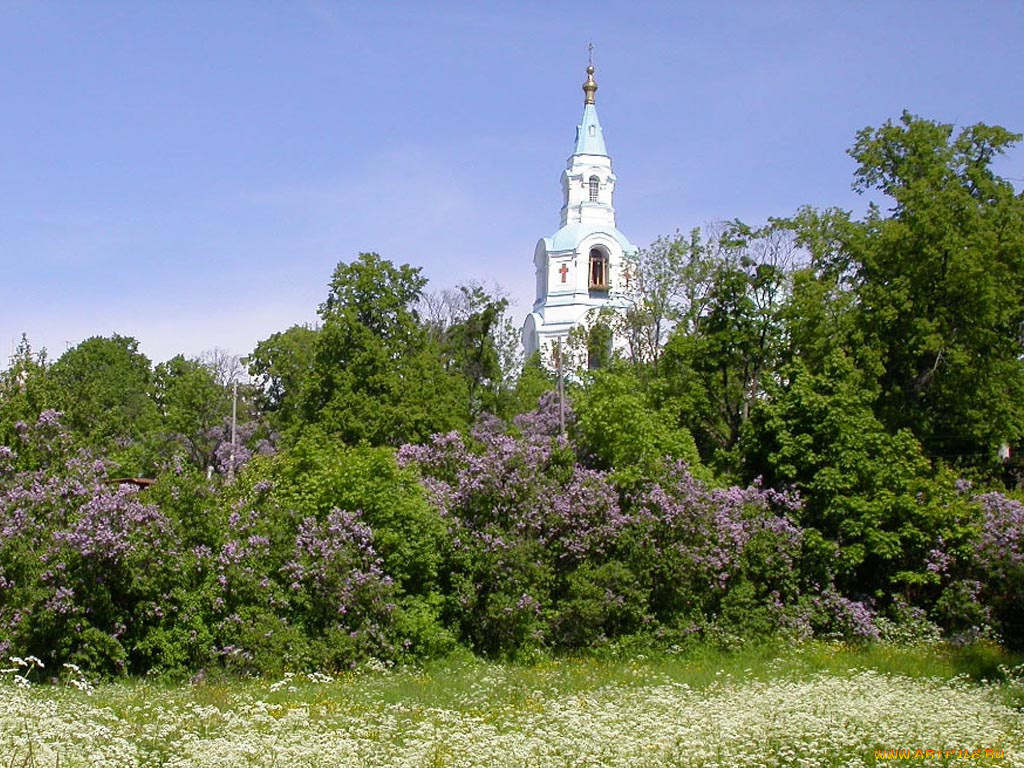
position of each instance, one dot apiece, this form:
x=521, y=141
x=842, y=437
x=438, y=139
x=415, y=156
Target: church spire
x=589, y=140
x=584, y=267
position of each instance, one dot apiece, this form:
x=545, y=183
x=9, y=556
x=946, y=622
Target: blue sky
x=189, y=173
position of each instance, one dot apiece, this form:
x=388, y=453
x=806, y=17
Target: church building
x=586, y=265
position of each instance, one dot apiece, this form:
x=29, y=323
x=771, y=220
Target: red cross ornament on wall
x=563, y=272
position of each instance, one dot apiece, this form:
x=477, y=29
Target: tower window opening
x=598, y=270
x=595, y=185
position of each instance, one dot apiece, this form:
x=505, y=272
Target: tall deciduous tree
x=194, y=406
x=280, y=367
x=714, y=363
x=105, y=392
x=26, y=390
x=669, y=288
x=479, y=341
x=865, y=489
x=376, y=376
x=619, y=428
x=820, y=317
x=940, y=284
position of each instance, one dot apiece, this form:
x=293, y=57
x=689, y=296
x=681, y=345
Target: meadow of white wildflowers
x=817, y=720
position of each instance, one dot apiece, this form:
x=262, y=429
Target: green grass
x=818, y=703
x=464, y=680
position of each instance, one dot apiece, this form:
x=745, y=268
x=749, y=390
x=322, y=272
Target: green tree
x=105, y=391
x=193, y=407
x=478, y=346
x=619, y=428
x=940, y=284
x=533, y=381
x=713, y=365
x=820, y=318
x=26, y=390
x=376, y=375
x=669, y=288
x=280, y=367
x=869, y=494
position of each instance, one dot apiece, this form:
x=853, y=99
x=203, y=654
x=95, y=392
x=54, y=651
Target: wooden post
x=561, y=388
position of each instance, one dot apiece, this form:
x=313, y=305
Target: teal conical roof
x=589, y=139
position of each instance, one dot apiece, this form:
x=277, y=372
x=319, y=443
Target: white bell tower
x=587, y=264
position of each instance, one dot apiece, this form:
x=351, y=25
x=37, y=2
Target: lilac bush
x=228, y=457
x=521, y=516
x=82, y=561
x=501, y=539
x=288, y=591
x=337, y=584
x=836, y=617
x=999, y=563
x=711, y=528
x=544, y=551
x=187, y=574
x=972, y=575
x=1001, y=543
x=695, y=545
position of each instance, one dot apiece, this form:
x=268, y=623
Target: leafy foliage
x=818, y=434
x=939, y=284
x=104, y=387
x=194, y=407
x=714, y=363
x=26, y=390
x=619, y=428
x=281, y=366
x=846, y=372
x=375, y=375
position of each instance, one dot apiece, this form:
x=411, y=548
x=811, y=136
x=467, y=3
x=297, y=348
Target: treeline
x=808, y=428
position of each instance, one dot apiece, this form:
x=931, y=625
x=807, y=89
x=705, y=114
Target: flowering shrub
x=83, y=563
x=503, y=540
x=92, y=574
x=279, y=589
x=694, y=543
x=998, y=565
x=230, y=457
x=543, y=551
x=1001, y=543
x=972, y=576
x=338, y=586
x=522, y=516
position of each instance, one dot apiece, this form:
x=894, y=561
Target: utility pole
x=234, y=419
x=561, y=388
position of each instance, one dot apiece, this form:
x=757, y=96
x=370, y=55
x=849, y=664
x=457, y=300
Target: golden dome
x=589, y=87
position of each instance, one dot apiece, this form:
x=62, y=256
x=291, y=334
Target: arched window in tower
x=598, y=270
x=595, y=186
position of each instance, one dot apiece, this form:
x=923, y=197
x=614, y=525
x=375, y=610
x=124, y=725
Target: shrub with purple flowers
x=1001, y=542
x=503, y=539
x=338, y=586
x=832, y=616
x=521, y=517
x=545, y=552
x=187, y=574
x=715, y=555
x=971, y=575
x=983, y=580
x=82, y=561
